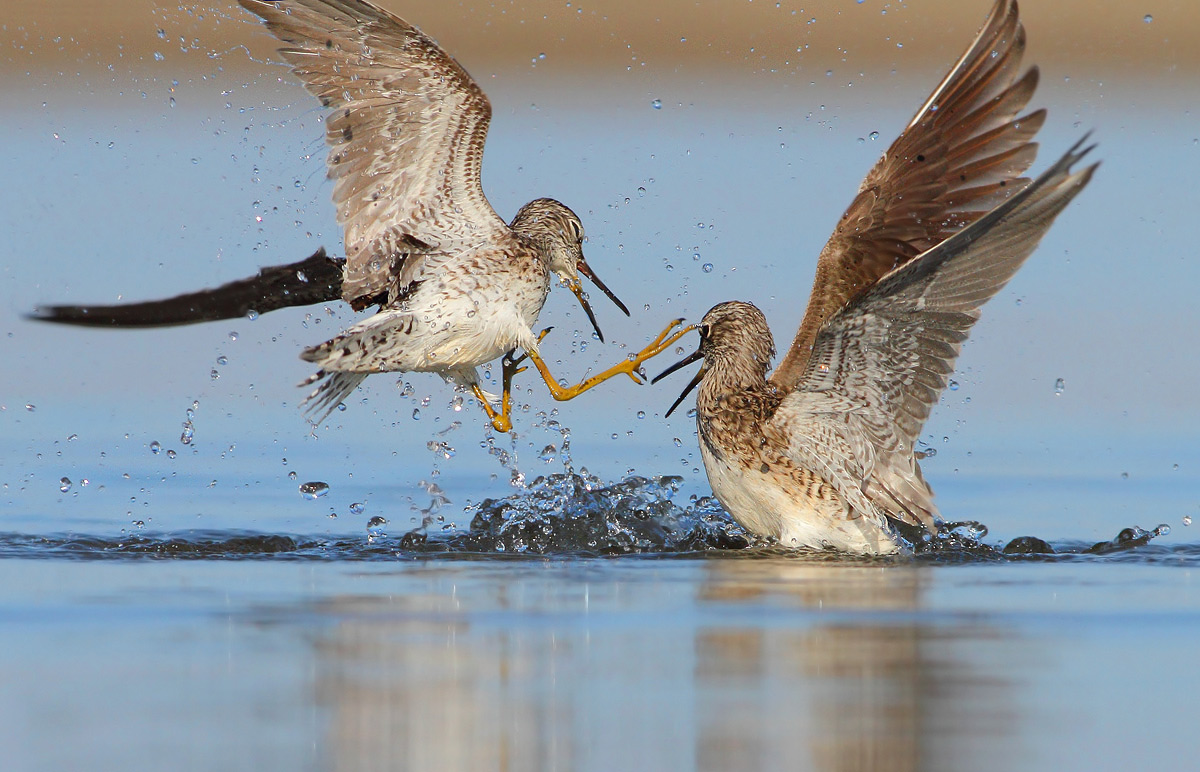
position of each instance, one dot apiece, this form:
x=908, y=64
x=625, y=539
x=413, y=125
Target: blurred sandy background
x=1109, y=39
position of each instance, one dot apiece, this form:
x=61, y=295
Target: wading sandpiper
x=454, y=285
x=822, y=454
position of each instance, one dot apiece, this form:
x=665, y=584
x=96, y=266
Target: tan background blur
x=1158, y=40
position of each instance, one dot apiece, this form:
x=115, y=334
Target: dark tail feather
x=316, y=279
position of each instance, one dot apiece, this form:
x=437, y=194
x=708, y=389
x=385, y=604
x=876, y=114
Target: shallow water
x=171, y=599
x=595, y=663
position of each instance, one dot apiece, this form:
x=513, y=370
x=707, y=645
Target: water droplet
x=31, y=408
x=641, y=414
x=548, y=453
x=1124, y=475
x=158, y=57
x=189, y=431
x=416, y=414
x=375, y=526
x=252, y=315
x=64, y=484
x=707, y=268
x=1059, y=385
x=291, y=475
x=1187, y=519
x=171, y=454
x=656, y=104
x=678, y=442
x=214, y=374
x=1148, y=18
x=313, y=490
x=155, y=447
x=357, y=508
x=953, y=385
x=222, y=360
x=233, y=335
x=874, y=135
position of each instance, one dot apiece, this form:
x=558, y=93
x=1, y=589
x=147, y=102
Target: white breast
x=772, y=505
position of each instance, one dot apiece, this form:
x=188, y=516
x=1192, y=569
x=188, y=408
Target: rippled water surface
x=190, y=579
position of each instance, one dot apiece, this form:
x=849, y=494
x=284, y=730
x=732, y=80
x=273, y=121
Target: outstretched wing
x=316, y=279
x=963, y=152
x=406, y=134
x=879, y=365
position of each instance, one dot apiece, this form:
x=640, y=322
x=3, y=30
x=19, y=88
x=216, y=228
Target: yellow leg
x=502, y=421
x=629, y=367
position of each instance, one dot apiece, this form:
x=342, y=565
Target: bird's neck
x=536, y=239
x=740, y=376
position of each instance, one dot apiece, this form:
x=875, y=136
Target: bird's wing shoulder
x=963, y=152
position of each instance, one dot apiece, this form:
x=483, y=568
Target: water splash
x=964, y=540
x=577, y=513
x=375, y=529
x=313, y=490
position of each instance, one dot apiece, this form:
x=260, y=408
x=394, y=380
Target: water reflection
x=721, y=664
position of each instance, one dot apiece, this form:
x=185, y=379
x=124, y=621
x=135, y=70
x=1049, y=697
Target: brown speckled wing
x=406, y=133
x=879, y=365
x=961, y=155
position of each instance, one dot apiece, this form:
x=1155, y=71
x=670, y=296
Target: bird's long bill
x=577, y=288
x=689, y=359
x=587, y=271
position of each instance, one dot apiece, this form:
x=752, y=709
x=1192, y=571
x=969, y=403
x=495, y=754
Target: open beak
x=586, y=270
x=689, y=359
x=577, y=288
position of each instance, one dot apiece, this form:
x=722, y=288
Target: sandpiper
x=455, y=287
x=822, y=453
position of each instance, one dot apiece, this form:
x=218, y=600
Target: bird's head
x=559, y=233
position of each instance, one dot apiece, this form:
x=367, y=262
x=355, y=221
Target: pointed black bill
x=577, y=288
x=587, y=271
x=689, y=359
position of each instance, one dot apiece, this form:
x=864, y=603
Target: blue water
x=190, y=609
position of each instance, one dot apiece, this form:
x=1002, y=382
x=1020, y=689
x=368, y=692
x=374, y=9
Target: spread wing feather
x=406, y=134
x=879, y=365
x=961, y=155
